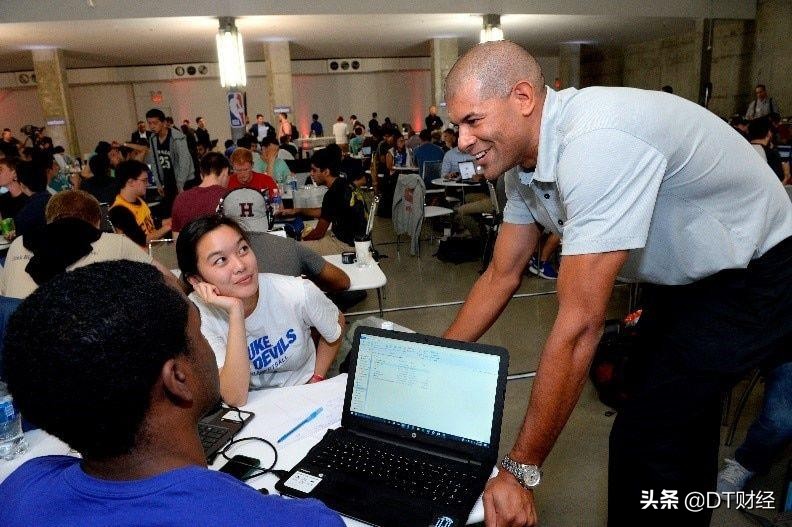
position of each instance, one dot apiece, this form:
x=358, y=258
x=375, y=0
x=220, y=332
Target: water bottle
x=292, y=183
x=12, y=441
x=277, y=202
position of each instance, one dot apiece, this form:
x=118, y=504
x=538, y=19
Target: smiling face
x=226, y=261
x=500, y=132
x=243, y=172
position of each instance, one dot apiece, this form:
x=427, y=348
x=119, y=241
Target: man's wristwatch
x=527, y=475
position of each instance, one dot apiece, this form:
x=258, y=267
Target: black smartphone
x=240, y=466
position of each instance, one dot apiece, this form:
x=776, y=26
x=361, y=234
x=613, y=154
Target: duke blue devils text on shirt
x=267, y=356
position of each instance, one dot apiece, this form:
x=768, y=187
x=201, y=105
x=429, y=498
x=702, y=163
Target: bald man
x=645, y=186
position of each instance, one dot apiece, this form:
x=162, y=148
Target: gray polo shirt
x=652, y=173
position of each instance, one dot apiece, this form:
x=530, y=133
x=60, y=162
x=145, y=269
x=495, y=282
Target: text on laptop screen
x=435, y=390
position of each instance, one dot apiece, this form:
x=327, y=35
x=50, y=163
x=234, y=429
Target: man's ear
x=194, y=280
x=525, y=94
x=175, y=375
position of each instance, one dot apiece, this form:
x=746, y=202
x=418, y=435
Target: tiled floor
x=574, y=490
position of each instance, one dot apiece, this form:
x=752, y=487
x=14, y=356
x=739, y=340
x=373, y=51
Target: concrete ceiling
x=107, y=34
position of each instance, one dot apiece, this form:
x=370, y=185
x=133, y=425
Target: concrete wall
x=110, y=111
x=744, y=53
x=674, y=61
x=773, y=51
x=732, y=62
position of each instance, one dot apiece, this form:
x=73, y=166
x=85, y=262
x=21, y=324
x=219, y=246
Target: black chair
x=7, y=306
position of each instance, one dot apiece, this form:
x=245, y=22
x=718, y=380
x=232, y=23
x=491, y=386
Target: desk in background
x=362, y=278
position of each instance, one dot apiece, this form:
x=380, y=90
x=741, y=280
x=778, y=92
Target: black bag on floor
x=458, y=250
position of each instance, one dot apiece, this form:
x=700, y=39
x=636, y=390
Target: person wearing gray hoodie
x=169, y=159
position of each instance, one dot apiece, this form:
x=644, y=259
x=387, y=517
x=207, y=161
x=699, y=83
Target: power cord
x=258, y=471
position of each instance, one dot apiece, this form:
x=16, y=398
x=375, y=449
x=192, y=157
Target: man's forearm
x=484, y=304
x=562, y=373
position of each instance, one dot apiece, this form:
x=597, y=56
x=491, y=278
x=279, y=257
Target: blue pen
x=302, y=423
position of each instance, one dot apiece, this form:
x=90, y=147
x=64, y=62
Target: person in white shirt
x=259, y=325
x=341, y=131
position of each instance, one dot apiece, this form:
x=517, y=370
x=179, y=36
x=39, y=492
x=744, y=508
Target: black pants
x=698, y=339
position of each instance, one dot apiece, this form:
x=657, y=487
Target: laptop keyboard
x=415, y=474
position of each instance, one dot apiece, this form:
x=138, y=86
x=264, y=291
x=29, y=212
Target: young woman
x=399, y=155
x=259, y=325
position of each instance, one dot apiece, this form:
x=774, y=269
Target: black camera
x=30, y=130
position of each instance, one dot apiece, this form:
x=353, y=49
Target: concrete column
x=772, y=52
x=53, y=93
x=568, y=66
x=445, y=52
x=279, y=77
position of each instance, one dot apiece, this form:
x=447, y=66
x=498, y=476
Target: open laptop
x=467, y=169
x=219, y=426
x=419, y=432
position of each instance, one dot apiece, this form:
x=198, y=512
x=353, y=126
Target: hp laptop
x=219, y=426
x=419, y=432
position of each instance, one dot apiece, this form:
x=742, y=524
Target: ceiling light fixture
x=492, y=29
x=230, y=54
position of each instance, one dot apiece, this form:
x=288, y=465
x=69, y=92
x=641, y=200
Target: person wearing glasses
x=129, y=213
x=243, y=175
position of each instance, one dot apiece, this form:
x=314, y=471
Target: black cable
x=258, y=471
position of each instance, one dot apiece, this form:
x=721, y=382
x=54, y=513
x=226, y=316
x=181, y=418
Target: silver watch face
x=531, y=476
x=528, y=475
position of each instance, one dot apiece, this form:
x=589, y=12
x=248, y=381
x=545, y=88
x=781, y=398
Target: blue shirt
x=654, y=174
x=53, y=490
x=427, y=152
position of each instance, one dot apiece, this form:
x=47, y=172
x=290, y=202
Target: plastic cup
x=363, y=253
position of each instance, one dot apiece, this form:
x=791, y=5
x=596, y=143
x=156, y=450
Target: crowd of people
x=242, y=289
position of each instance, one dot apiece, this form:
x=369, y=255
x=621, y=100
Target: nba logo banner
x=236, y=109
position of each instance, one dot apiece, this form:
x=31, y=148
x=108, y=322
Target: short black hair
x=246, y=141
x=425, y=134
x=327, y=159
x=155, y=113
x=315, y=117
x=758, y=128
x=213, y=163
x=374, y=115
x=191, y=234
x=30, y=177
x=198, y=118
x=259, y=115
x=130, y=169
x=268, y=140
x=667, y=88
x=84, y=351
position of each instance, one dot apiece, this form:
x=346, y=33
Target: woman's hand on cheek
x=209, y=294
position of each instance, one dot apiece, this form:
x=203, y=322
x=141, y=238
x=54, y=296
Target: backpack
x=613, y=359
x=459, y=250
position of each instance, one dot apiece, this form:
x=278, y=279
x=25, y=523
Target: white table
x=362, y=277
x=404, y=169
x=277, y=411
x=455, y=184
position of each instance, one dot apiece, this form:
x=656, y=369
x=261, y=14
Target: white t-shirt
x=340, y=131
x=278, y=332
x=17, y=283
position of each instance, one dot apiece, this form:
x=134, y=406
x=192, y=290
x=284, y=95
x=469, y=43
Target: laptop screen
x=467, y=169
x=366, y=150
x=436, y=391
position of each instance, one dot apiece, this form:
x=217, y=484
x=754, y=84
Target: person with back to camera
x=123, y=379
x=259, y=325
